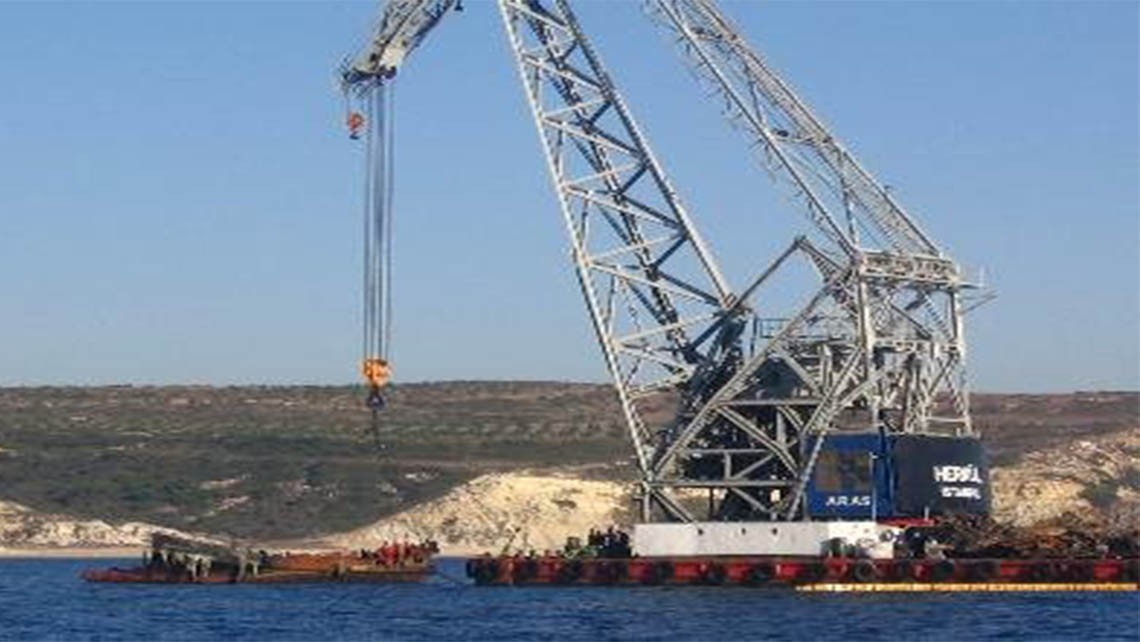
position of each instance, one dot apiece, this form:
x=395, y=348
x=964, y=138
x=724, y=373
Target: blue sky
x=179, y=202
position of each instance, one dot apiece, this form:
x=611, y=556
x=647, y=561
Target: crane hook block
x=375, y=400
x=355, y=123
x=376, y=372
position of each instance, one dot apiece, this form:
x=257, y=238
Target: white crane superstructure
x=879, y=347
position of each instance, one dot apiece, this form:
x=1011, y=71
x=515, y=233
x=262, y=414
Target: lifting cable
x=377, y=125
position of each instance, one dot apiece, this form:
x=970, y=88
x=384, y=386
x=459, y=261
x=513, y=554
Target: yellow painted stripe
x=989, y=587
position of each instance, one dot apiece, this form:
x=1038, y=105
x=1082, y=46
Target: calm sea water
x=45, y=599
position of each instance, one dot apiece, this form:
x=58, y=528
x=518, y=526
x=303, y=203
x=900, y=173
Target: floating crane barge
x=810, y=446
x=820, y=445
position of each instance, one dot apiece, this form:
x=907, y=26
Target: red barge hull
x=797, y=571
x=148, y=576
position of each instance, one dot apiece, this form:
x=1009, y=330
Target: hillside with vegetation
x=292, y=462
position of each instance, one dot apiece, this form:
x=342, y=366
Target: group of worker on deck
x=400, y=553
x=611, y=543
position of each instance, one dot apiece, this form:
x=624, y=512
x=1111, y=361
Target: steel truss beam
x=651, y=286
x=793, y=143
x=893, y=349
x=401, y=27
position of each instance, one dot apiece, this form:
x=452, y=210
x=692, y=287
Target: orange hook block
x=376, y=372
x=355, y=123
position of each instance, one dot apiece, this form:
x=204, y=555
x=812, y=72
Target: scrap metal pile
x=973, y=536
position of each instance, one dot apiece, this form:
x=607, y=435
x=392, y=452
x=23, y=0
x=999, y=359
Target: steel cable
x=389, y=193
x=377, y=298
x=378, y=225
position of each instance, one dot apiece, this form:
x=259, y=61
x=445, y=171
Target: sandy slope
x=40, y=552
x=1048, y=483
x=25, y=532
x=521, y=510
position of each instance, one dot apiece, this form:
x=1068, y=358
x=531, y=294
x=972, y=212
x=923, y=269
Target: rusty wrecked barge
x=174, y=560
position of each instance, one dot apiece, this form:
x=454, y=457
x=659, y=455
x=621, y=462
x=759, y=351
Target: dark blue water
x=45, y=599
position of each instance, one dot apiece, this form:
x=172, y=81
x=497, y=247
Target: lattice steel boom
x=879, y=347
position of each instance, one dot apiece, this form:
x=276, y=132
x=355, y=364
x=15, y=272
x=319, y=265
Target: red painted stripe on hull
x=794, y=571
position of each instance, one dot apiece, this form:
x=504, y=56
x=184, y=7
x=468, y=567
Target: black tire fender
x=486, y=571
x=983, y=571
x=606, y=572
x=569, y=572
x=903, y=571
x=943, y=571
x=658, y=573
x=526, y=570
x=619, y=570
x=1042, y=572
x=713, y=575
x=761, y=573
x=864, y=572
x=1130, y=571
x=813, y=572
x=1079, y=572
